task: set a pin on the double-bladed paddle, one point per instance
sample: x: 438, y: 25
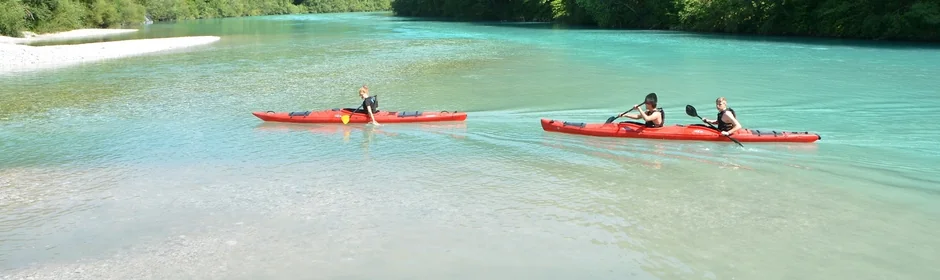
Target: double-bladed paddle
x: 651, y: 96
x: 691, y: 112
x: 345, y: 118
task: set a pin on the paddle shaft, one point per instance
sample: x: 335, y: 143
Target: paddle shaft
x: 354, y: 111
x: 649, y: 98
x: 712, y: 126
x: 624, y: 113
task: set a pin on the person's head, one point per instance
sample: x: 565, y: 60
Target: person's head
x: 363, y: 92
x: 650, y: 101
x: 721, y: 103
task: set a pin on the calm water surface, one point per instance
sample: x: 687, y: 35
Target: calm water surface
x: 153, y: 167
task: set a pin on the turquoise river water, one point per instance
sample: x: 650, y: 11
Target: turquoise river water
x: 152, y: 167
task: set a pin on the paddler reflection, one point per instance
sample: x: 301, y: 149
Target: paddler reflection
x: 348, y: 132
x: 649, y: 153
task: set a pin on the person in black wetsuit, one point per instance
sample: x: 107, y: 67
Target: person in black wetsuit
x: 654, y: 117
x: 727, y: 120
x: 369, y: 104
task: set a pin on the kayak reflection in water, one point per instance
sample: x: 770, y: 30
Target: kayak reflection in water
x: 369, y: 104
x: 654, y: 117
x: 727, y: 121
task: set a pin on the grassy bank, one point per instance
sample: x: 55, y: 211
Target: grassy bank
x: 43, y: 16
x: 917, y: 20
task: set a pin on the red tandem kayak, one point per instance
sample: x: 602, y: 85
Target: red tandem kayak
x: 695, y: 132
x: 335, y: 116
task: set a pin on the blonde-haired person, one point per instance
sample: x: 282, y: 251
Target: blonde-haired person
x: 727, y: 121
x: 369, y: 104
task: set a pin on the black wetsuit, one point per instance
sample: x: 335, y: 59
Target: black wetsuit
x: 370, y: 102
x: 722, y: 125
x: 662, y: 115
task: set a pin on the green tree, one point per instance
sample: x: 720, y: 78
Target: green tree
x: 870, y: 19
x: 13, y: 15
x: 56, y: 15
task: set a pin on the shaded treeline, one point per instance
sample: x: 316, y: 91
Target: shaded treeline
x: 58, y: 15
x: 865, y: 19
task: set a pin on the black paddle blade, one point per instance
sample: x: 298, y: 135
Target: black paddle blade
x: 691, y: 111
x: 610, y: 119
x: 651, y: 97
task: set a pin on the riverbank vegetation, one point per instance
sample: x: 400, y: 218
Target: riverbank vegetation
x: 865, y: 19
x: 42, y: 16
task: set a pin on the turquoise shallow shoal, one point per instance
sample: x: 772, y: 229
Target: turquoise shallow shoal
x: 153, y: 166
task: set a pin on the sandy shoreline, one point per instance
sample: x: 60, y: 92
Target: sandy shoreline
x: 66, y: 35
x: 17, y: 57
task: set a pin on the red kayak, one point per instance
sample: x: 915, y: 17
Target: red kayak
x: 335, y: 116
x: 695, y: 132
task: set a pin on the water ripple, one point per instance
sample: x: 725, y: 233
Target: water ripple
x: 167, y: 175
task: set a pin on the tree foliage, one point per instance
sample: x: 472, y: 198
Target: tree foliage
x: 59, y: 15
x: 13, y: 16
x: 867, y: 19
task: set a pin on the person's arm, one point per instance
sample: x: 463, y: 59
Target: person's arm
x: 369, y: 110
x: 734, y: 121
x: 643, y: 116
x: 650, y: 117
x: 635, y: 116
x: 711, y: 122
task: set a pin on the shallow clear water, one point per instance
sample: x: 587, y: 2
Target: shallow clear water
x: 153, y: 166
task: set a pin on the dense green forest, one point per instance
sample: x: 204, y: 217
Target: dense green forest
x: 43, y: 16
x: 866, y: 19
